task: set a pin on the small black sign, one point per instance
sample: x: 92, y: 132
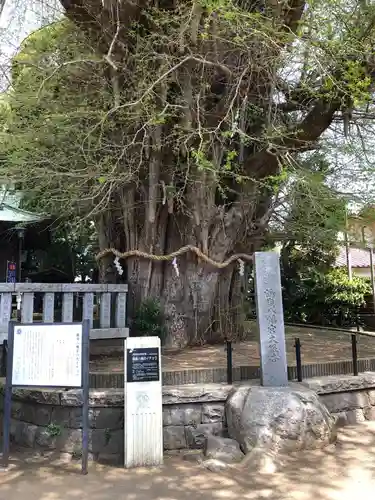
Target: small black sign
x: 142, y: 364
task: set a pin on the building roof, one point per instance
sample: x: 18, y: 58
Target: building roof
x: 359, y: 257
x: 11, y: 214
x: 10, y: 207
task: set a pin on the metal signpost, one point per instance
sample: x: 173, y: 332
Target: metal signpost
x: 48, y: 355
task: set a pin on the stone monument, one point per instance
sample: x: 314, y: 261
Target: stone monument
x: 276, y: 418
x: 273, y: 364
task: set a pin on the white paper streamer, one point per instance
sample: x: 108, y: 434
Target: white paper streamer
x: 175, y: 265
x: 241, y: 264
x: 118, y: 266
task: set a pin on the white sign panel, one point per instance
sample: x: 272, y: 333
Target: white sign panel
x: 47, y: 355
x: 143, y: 402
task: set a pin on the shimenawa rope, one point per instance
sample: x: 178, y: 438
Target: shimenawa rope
x: 173, y: 255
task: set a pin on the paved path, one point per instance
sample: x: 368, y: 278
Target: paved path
x: 342, y: 472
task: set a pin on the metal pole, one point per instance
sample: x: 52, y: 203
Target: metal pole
x: 372, y: 275
x: 229, y: 362
x: 297, y: 346
x: 8, y: 397
x: 21, y: 235
x: 354, y: 354
x: 85, y: 394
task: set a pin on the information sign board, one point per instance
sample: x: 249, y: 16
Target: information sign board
x: 143, y: 364
x: 11, y: 271
x: 47, y: 355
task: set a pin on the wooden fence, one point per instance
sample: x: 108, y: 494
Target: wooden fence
x: 103, y: 305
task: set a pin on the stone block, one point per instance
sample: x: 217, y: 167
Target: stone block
x: 341, y: 419
x: 98, y: 440
x: 371, y: 395
x: 16, y: 410
x: 106, y: 441
x: 341, y: 383
x: 60, y: 416
x: 369, y: 413
x: 32, y: 396
x: 224, y: 449
x: 29, y: 433
x: 37, y: 414
x: 70, y: 441
x: 99, y: 418
x: 71, y: 398
x: 196, y: 436
x: 345, y: 401
x: 107, y: 398
x: 174, y: 437
x: 110, y: 459
x: 16, y: 431
x: 22, y: 433
x: 47, y: 438
x: 196, y: 393
x: 185, y: 414
x: 212, y: 413
x: 355, y: 416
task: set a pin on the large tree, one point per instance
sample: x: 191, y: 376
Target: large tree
x: 180, y: 123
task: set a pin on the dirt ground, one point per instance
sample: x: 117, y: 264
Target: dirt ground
x: 318, y: 346
x: 340, y: 472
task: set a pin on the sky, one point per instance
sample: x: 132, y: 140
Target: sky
x: 18, y: 19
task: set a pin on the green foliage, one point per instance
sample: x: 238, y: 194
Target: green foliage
x: 316, y: 212
x: 48, y: 114
x: 328, y: 298
x: 54, y: 430
x: 149, y: 319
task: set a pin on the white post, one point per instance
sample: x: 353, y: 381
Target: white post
x: 143, y: 412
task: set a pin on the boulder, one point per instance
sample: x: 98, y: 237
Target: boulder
x: 281, y: 419
x: 224, y: 449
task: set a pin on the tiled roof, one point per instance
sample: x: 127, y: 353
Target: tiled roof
x: 359, y: 257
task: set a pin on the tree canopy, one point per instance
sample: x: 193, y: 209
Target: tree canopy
x: 174, y: 123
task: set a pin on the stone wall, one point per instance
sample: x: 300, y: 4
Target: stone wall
x: 52, y: 419
x: 351, y: 399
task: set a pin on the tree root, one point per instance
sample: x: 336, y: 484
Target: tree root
x: 171, y: 256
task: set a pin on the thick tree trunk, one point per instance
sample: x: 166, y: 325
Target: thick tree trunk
x: 201, y: 302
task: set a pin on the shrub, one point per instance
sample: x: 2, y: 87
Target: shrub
x: 149, y: 319
x: 325, y: 298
